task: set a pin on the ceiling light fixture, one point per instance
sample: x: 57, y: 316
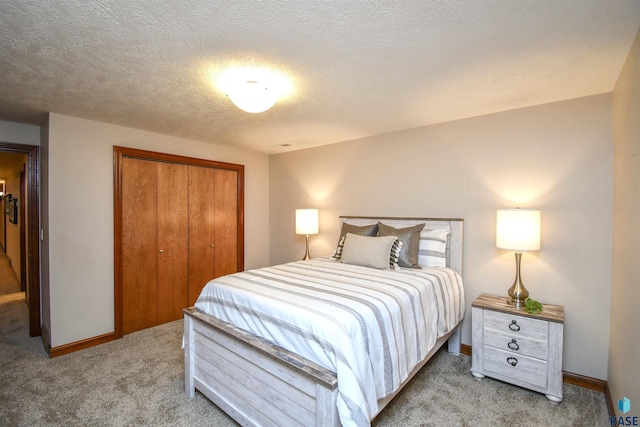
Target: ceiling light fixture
x: 253, y: 89
x: 252, y: 96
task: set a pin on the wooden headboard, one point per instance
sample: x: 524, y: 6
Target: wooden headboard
x: 454, y: 225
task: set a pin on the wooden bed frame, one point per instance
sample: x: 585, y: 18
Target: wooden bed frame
x: 258, y: 383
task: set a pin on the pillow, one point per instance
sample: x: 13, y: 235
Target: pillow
x: 433, y: 248
x: 410, y: 238
x: 394, y: 255
x: 368, y: 251
x: 365, y: 230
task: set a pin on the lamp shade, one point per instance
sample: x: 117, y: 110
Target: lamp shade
x: 518, y: 229
x: 252, y: 96
x: 306, y: 221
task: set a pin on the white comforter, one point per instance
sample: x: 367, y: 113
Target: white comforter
x: 371, y: 327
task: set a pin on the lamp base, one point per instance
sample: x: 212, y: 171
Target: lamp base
x: 517, y: 302
x: 517, y: 291
x: 306, y: 254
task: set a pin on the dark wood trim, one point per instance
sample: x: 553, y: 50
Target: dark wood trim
x: 241, y: 219
x: 33, y: 232
x: 173, y: 158
x: 607, y: 398
x: 81, y: 345
x: 121, y: 152
x: 583, y: 381
x: 117, y: 241
x: 24, y: 255
x: 465, y: 349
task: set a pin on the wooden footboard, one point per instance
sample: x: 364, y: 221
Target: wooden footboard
x: 253, y: 381
x: 259, y: 383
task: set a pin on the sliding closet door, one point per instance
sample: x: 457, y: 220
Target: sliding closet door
x: 173, y: 241
x: 226, y: 222
x: 139, y: 244
x: 202, y: 238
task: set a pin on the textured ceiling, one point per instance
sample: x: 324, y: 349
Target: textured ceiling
x: 357, y: 68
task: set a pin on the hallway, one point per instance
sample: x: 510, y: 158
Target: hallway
x: 14, y: 318
x: 8, y: 283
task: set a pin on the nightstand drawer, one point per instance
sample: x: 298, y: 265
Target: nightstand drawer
x: 515, y: 366
x: 516, y: 325
x: 516, y: 344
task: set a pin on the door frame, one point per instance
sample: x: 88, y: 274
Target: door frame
x: 32, y: 232
x: 119, y: 153
x: 24, y: 254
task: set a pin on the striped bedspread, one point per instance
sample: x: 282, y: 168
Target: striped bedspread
x: 371, y: 327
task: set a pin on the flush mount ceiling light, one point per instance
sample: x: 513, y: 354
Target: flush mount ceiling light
x: 252, y: 96
x: 254, y: 89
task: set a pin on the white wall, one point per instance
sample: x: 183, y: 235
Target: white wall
x: 624, y: 343
x: 19, y: 133
x: 555, y: 157
x: 80, y: 222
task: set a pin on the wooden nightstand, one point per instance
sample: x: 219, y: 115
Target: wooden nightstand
x: 514, y: 346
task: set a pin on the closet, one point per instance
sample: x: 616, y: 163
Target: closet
x: 178, y: 224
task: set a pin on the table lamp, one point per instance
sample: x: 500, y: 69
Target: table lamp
x: 518, y: 230
x: 306, y: 224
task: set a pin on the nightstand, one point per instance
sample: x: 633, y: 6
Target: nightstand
x: 514, y: 346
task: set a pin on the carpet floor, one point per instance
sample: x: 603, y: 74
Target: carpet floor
x: 138, y: 381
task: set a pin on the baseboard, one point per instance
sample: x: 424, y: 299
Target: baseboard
x: 584, y: 382
x: 607, y: 396
x: 570, y: 378
x: 465, y: 349
x: 80, y: 345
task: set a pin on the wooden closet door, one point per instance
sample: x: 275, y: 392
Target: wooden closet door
x: 139, y: 244
x: 159, y: 208
x: 201, y: 229
x: 226, y: 222
x: 173, y: 241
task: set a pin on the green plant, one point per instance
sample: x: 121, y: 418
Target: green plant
x: 532, y: 306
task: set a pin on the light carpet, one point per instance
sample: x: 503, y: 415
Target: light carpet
x: 138, y: 381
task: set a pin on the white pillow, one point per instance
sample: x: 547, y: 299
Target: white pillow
x: 367, y: 251
x: 433, y: 247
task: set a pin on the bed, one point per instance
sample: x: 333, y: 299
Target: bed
x: 316, y: 373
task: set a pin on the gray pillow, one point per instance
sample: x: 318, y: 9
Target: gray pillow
x: 410, y: 238
x: 364, y: 230
x: 368, y: 251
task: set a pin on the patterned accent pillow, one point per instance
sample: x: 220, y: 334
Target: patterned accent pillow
x: 433, y: 248
x: 368, y: 251
x: 410, y: 238
x: 338, y: 253
x: 365, y: 230
x: 394, y: 255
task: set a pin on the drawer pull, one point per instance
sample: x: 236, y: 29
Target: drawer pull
x: 514, y: 326
x: 513, y: 345
x: 512, y: 361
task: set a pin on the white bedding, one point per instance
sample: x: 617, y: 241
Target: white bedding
x: 370, y: 327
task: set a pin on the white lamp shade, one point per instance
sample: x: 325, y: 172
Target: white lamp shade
x: 518, y: 229
x: 306, y: 221
x: 252, y: 96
